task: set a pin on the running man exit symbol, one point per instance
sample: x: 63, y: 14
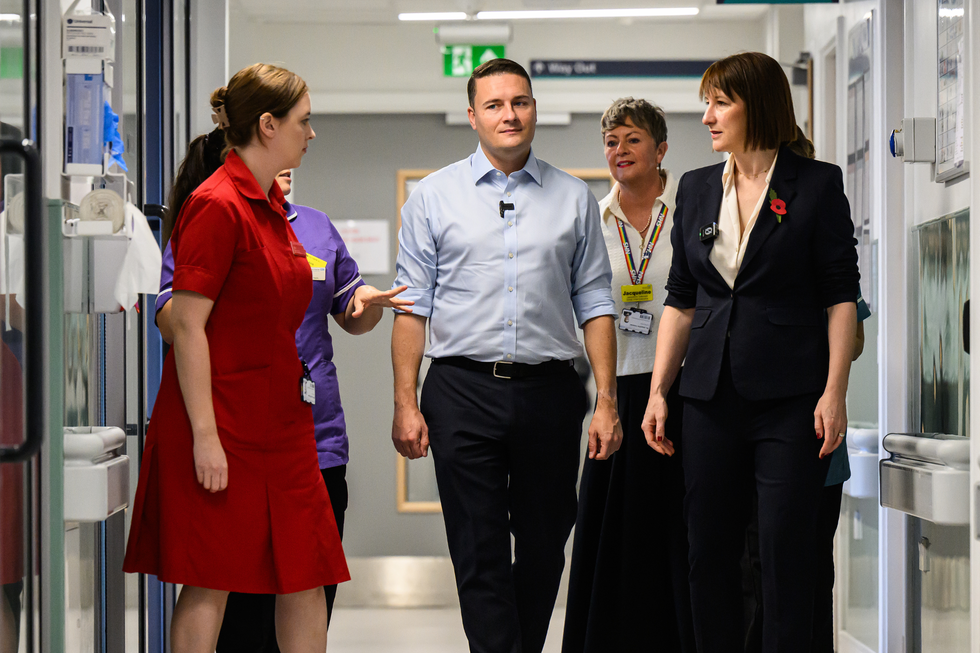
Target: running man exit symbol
x: 460, y: 60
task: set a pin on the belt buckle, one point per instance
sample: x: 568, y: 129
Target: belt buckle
x: 495, y: 369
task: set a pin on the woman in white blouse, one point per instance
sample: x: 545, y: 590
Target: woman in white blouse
x: 619, y: 591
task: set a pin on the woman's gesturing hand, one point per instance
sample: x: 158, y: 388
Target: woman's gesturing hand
x: 367, y: 296
x: 654, y: 423
x: 210, y: 463
x: 830, y: 421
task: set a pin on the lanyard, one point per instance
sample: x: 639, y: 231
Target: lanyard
x: 636, y: 275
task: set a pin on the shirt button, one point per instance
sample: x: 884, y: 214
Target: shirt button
x: 509, y: 356
x: 508, y: 194
x: 510, y: 288
x: 510, y: 223
x: 510, y: 255
x: 498, y: 173
x: 510, y: 322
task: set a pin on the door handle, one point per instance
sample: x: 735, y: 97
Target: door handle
x: 35, y: 370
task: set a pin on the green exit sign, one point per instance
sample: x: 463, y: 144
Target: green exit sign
x: 460, y: 60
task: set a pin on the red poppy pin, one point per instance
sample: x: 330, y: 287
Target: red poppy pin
x: 777, y: 205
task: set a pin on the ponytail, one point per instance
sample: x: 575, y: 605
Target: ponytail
x: 801, y: 145
x: 204, y: 156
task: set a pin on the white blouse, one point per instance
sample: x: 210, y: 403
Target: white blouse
x: 635, y: 351
x: 729, y: 247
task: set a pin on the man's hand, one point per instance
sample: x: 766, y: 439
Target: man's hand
x: 654, y: 425
x: 409, y: 433
x: 605, y: 431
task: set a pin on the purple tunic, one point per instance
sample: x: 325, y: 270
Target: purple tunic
x: 330, y: 296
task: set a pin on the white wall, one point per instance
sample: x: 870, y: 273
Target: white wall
x: 398, y: 68
x: 904, y: 196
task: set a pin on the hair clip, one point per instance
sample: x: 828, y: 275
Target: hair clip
x: 220, y: 117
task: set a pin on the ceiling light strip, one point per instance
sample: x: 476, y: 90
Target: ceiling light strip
x: 649, y: 12
x: 434, y: 16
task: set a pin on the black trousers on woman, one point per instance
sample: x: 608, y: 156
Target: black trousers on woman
x: 249, y: 625
x: 730, y: 445
x: 823, y: 599
x: 628, y: 587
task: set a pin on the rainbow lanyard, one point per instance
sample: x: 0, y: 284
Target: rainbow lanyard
x: 637, y: 274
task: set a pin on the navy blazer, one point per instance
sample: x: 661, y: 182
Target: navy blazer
x: 792, y: 271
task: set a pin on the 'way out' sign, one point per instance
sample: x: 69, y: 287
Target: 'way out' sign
x: 460, y: 60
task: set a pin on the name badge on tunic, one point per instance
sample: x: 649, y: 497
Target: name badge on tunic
x: 298, y: 249
x: 641, y: 292
x: 636, y: 320
x: 319, y: 267
x: 307, y: 388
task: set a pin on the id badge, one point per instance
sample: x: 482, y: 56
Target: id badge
x: 319, y: 267
x: 308, y: 390
x: 642, y: 292
x: 636, y: 320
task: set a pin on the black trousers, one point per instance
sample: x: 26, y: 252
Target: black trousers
x: 250, y: 619
x: 628, y: 587
x: 730, y: 445
x: 823, y: 600
x: 506, y: 460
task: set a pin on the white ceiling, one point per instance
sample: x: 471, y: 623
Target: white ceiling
x: 386, y: 11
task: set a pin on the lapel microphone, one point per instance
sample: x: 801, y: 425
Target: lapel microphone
x: 505, y: 207
x: 708, y: 232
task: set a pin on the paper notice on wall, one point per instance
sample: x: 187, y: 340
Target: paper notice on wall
x: 368, y: 242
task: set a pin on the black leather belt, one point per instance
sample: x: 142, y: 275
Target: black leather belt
x: 505, y: 369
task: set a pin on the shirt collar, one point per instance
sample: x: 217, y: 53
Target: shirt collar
x: 480, y: 166
x: 290, y: 211
x: 609, y: 206
x: 246, y: 183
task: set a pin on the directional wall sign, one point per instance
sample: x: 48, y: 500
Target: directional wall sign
x: 555, y: 68
x: 460, y: 60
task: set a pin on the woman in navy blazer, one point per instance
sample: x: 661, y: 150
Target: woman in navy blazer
x: 762, y: 245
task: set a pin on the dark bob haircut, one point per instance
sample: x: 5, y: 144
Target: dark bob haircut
x: 759, y: 81
x: 495, y: 67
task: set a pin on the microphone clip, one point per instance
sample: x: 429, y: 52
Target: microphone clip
x: 505, y: 207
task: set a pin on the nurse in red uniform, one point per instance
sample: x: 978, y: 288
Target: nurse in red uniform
x: 230, y: 496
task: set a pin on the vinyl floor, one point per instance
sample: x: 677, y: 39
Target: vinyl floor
x: 397, y: 630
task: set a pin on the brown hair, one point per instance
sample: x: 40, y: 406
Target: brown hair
x: 260, y: 88
x: 759, y: 81
x: 495, y: 67
x: 203, y: 157
x: 641, y: 113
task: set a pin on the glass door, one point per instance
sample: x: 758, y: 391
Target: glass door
x: 22, y: 374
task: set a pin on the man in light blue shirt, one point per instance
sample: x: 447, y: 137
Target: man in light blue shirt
x: 503, y: 254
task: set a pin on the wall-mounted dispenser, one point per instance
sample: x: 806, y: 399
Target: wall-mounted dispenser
x: 914, y: 141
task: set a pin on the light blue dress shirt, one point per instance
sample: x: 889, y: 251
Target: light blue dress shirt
x: 503, y: 289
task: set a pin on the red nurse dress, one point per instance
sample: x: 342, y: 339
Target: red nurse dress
x: 272, y: 531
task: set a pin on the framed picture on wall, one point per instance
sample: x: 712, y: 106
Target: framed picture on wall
x: 951, y: 91
x: 415, y: 480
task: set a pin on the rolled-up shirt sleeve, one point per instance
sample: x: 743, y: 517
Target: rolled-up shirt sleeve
x: 682, y: 288
x: 834, y: 246
x: 417, y: 261
x: 591, y: 272
x: 166, y: 278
